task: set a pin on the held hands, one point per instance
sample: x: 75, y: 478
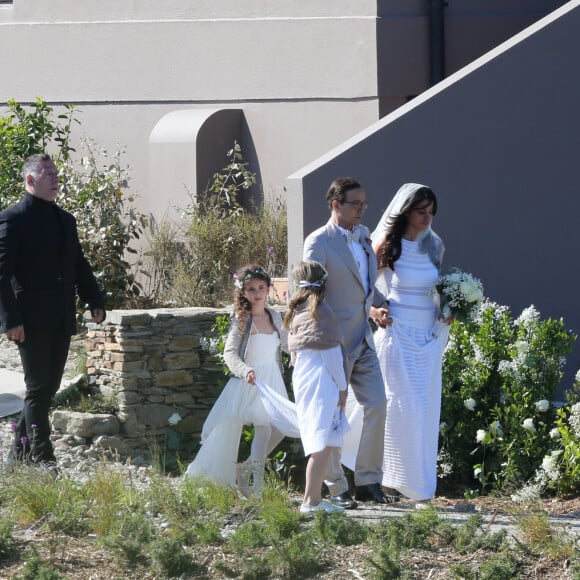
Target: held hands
x: 251, y: 378
x: 447, y: 320
x: 16, y: 334
x: 381, y: 316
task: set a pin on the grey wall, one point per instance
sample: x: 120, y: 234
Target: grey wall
x: 498, y: 142
x: 307, y: 75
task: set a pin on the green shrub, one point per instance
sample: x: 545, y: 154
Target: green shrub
x: 338, y: 530
x: 36, y: 568
x: 296, y: 556
x: 170, y: 558
x: 96, y: 193
x: 191, y: 262
x: 7, y: 542
x: 94, y: 190
x: 36, y: 497
x: 499, y: 376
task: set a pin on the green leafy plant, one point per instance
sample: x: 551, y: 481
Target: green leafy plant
x: 7, y: 542
x: 338, y: 530
x: 499, y: 375
x: 170, y: 558
x: 35, y: 568
x: 94, y: 189
x: 26, y: 131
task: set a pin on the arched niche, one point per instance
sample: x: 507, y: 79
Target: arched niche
x: 186, y: 147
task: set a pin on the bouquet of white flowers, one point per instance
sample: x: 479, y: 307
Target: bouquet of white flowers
x: 460, y: 293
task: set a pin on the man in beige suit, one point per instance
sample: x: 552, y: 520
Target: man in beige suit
x: 344, y: 248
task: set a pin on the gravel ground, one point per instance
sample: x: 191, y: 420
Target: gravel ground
x: 78, y: 462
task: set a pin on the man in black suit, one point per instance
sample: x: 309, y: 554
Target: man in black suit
x: 42, y: 267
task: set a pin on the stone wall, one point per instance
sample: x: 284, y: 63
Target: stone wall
x: 153, y: 364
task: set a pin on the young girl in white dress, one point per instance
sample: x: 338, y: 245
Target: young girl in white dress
x: 252, y: 352
x: 319, y: 378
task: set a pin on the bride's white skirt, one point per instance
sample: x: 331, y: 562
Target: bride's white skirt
x: 411, y: 360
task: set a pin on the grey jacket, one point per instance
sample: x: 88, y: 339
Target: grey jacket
x: 345, y: 291
x: 237, y: 344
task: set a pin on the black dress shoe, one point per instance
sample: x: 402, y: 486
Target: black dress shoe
x: 373, y: 492
x: 343, y: 500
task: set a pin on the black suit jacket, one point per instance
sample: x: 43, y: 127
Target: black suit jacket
x: 39, y: 278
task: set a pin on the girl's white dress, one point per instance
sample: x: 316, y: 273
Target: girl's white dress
x: 238, y: 404
x: 410, y: 354
x: 318, y: 376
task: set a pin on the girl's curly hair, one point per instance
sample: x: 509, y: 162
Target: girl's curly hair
x: 242, y: 306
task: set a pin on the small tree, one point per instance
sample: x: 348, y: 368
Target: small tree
x: 94, y: 191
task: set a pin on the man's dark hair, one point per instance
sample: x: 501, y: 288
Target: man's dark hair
x: 339, y: 188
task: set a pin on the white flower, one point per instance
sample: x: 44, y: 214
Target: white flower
x: 504, y: 367
x: 521, y: 346
x: 531, y: 492
x: 174, y: 419
x: 470, y: 404
x: 471, y: 291
x: 442, y: 426
x: 543, y: 405
x: 577, y: 377
x: 555, y: 433
x: 574, y: 418
x: 550, y: 467
x: 477, y: 472
x: 528, y: 316
x: 480, y: 436
x: 496, y: 426
x: 528, y: 424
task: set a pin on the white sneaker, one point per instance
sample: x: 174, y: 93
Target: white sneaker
x: 322, y: 506
x: 423, y: 504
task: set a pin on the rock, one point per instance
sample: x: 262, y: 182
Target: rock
x: 85, y: 424
x: 116, y: 444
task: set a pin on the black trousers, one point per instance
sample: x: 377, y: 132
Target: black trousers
x: 43, y: 354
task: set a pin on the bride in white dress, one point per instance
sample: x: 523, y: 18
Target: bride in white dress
x: 410, y: 349
x: 252, y: 353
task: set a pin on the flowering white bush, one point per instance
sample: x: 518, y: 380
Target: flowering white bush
x: 499, y: 375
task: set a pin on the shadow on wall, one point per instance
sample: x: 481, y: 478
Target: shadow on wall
x: 186, y: 148
x: 498, y: 143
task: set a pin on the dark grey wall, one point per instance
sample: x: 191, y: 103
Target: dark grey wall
x: 499, y: 143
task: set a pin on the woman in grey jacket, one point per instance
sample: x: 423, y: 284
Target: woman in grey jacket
x: 252, y: 352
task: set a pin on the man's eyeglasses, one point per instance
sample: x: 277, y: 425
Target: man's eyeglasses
x: 357, y: 204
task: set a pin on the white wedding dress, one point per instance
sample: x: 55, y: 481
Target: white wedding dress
x: 410, y: 354
x: 239, y: 404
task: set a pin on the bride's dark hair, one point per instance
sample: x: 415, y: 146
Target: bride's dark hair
x: 389, y: 250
